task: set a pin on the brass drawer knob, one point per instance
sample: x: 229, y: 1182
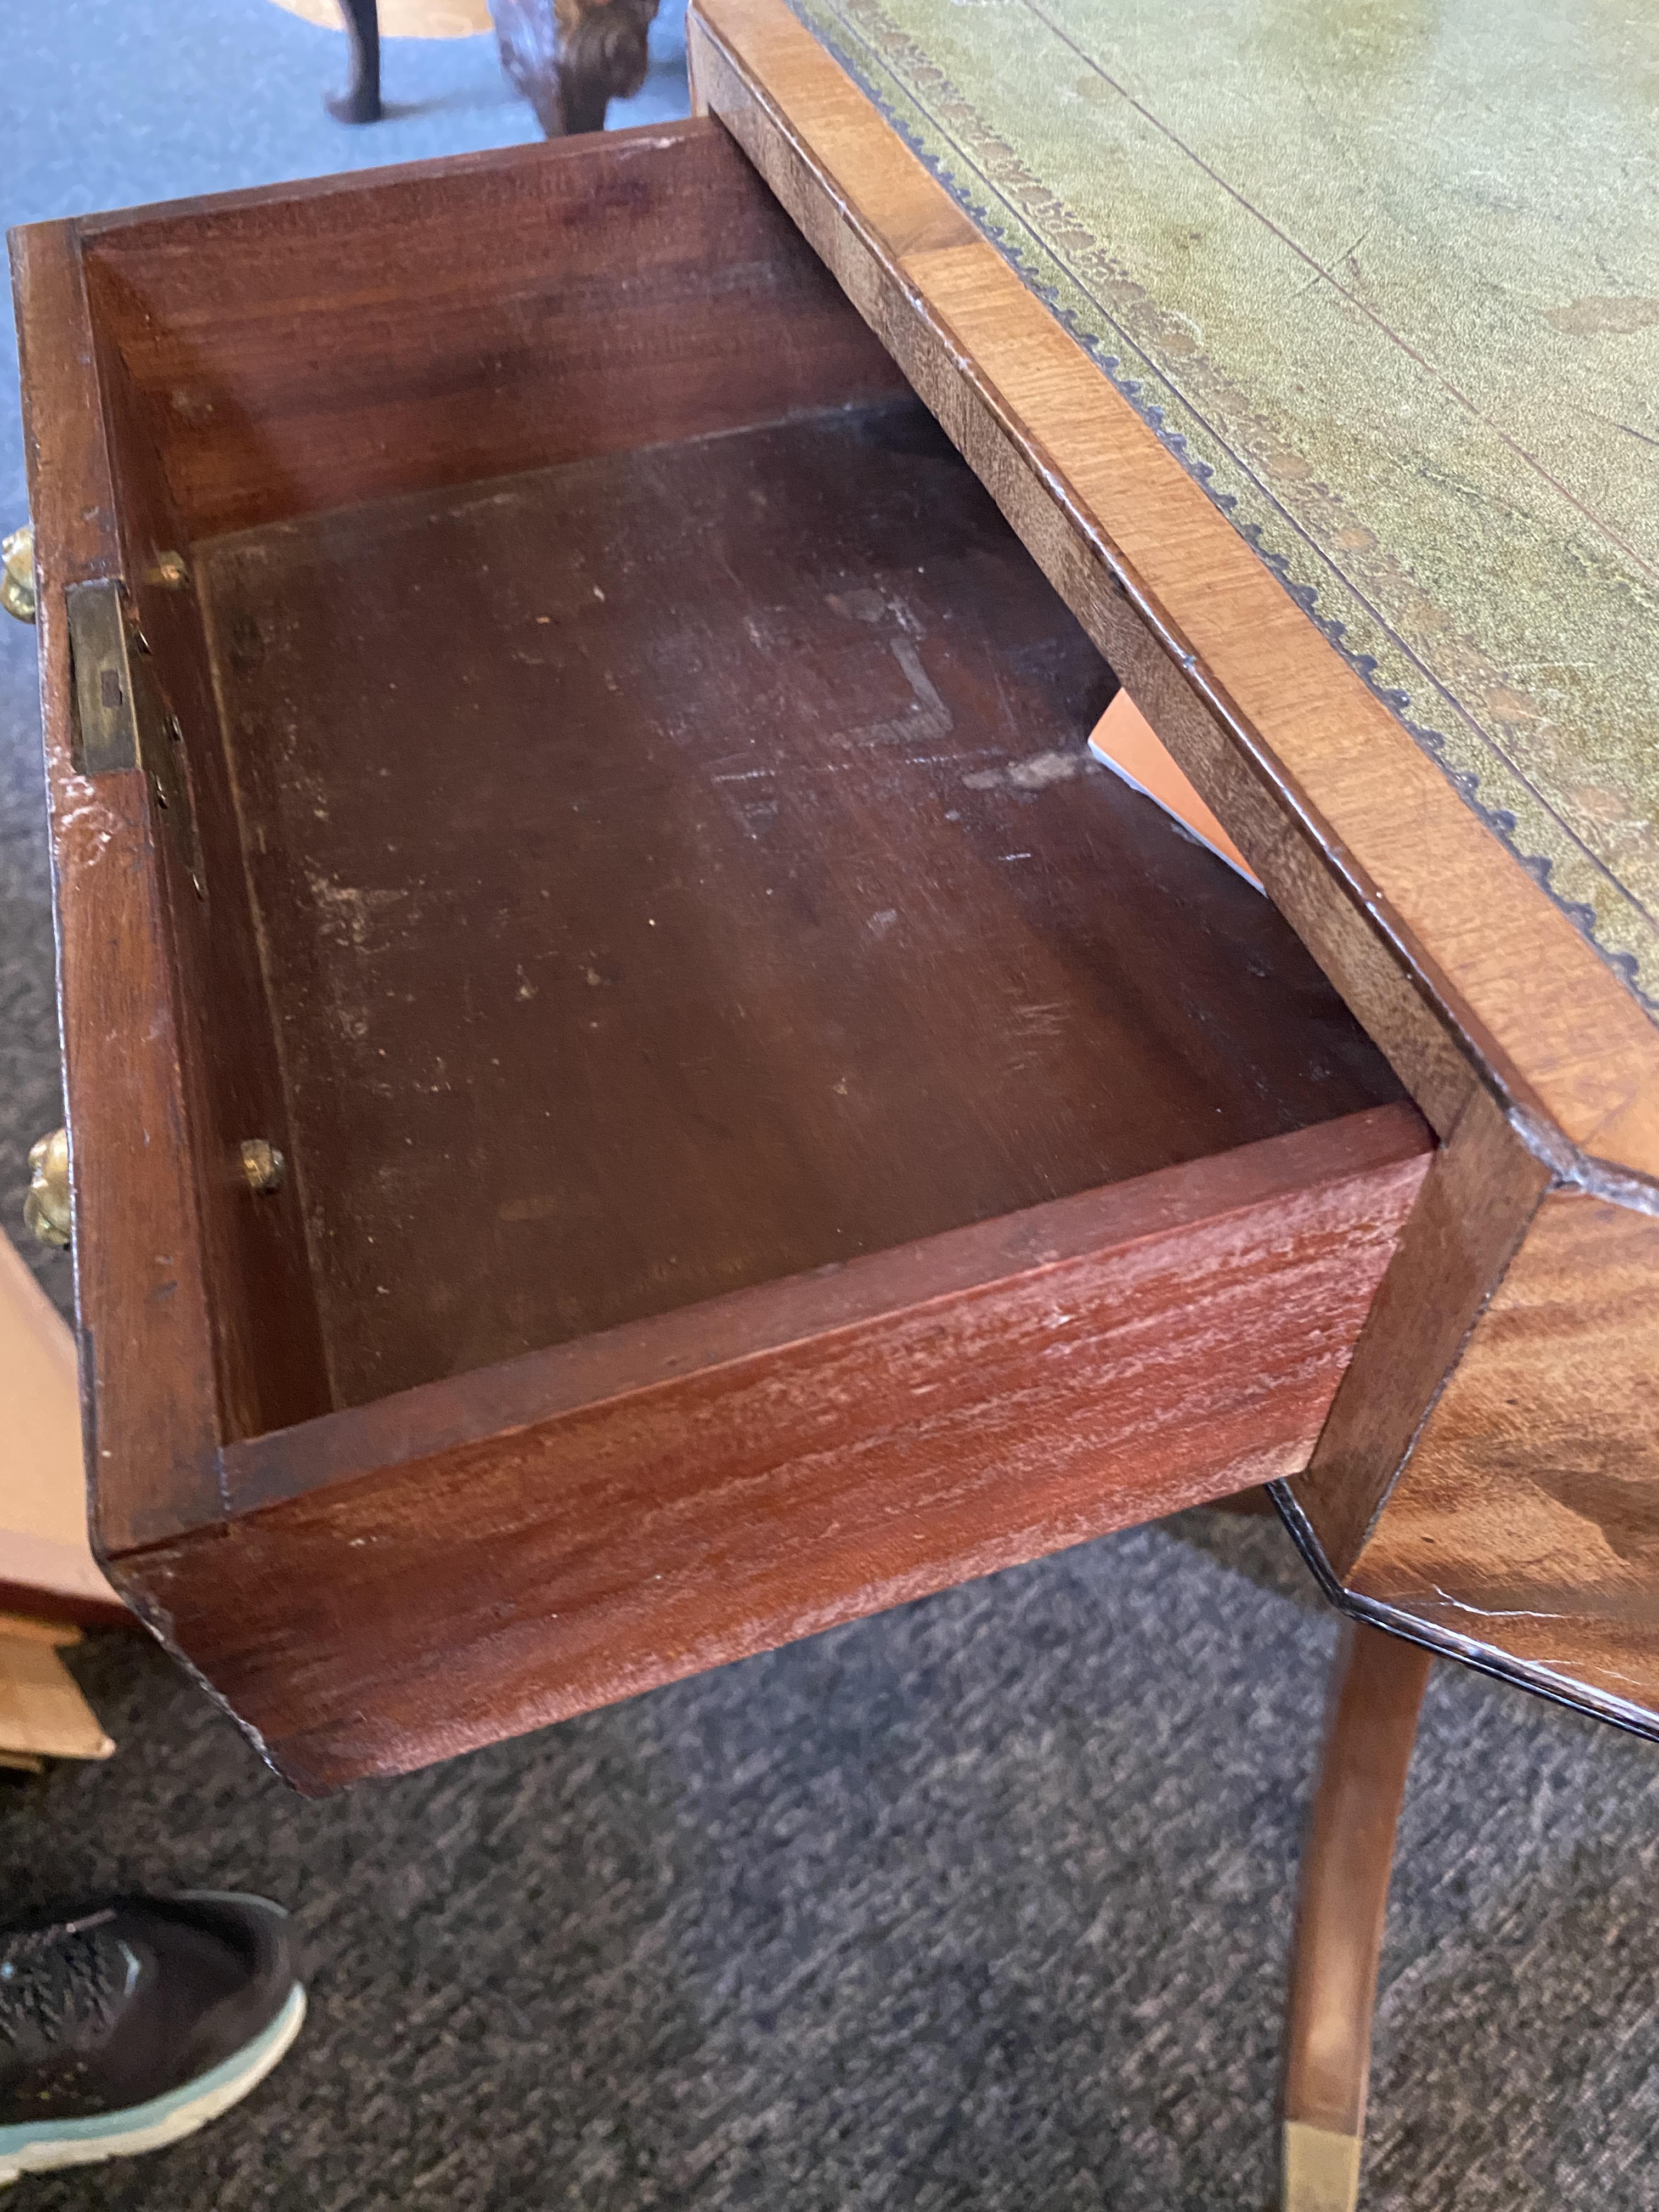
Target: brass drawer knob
x: 46, y: 1208
x: 17, y: 573
x: 263, y: 1166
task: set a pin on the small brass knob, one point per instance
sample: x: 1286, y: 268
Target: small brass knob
x: 46, y: 1208
x: 263, y: 1166
x: 17, y: 573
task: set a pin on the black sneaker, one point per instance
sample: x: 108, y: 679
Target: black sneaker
x: 135, y: 2024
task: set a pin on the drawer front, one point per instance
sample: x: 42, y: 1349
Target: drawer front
x: 717, y: 1482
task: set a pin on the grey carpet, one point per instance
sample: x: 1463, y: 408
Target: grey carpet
x: 984, y: 1905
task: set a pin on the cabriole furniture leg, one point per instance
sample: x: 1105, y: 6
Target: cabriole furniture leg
x: 360, y: 100
x: 570, y: 59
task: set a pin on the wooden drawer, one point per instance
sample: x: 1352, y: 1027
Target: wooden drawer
x: 547, y: 736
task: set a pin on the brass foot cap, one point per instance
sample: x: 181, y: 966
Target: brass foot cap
x: 1321, y: 2169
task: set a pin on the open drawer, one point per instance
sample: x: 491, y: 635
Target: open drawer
x: 634, y: 1093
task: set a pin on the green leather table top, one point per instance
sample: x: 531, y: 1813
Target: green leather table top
x: 1385, y: 273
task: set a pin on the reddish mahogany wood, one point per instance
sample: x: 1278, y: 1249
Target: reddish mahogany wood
x: 270, y: 1361
x: 302, y: 347
x: 681, y: 869
x: 719, y: 636
x: 263, y: 354
x: 602, y: 1517
x: 147, y: 1357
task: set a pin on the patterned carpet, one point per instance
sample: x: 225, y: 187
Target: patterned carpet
x: 983, y: 1904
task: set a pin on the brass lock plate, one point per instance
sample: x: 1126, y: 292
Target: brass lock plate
x: 122, y: 719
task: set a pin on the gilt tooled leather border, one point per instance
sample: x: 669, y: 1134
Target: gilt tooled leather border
x: 1045, y: 243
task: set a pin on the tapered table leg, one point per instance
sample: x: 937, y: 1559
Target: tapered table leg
x: 1371, y: 1726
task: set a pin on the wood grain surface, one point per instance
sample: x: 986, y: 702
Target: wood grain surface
x: 740, y: 897
x: 604, y: 1516
x: 167, y: 368
x: 172, y: 379
x: 300, y: 348
x: 251, y: 364
x: 1478, y: 1196
x: 1527, y: 1521
x: 148, y: 1373
x: 268, y: 1347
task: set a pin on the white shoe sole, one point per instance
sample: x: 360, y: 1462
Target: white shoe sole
x: 164, y: 2120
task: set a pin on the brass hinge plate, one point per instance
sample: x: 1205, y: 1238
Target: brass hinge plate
x: 122, y: 719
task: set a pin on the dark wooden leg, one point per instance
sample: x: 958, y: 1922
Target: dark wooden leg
x: 569, y: 59
x: 1371, y: 1726
x: 360, y: 100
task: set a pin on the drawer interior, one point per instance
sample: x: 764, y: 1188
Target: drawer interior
x: 651, y: 775
x: 684, y: 867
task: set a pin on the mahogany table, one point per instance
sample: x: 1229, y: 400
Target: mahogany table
x: 633, y: 1092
